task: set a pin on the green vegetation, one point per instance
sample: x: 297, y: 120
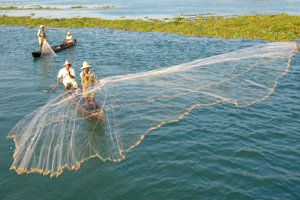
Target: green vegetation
x: 77, y: 7
x: 266, y: 27
x: 104, y: 7
x: 53, y: 8
x: 22, y: 8
x: 80, y: 7
x: 9, y: 8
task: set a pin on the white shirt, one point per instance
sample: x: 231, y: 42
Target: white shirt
x: 63, y: 72
x: 69, y: 37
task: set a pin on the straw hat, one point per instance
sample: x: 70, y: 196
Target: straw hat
x: 67, y: 63
x: 68, y: 33
x: 41, y: 26
x: 85, y: 65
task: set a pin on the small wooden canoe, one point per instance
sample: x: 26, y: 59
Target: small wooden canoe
x: 56, y: 48
x: 79, y: 102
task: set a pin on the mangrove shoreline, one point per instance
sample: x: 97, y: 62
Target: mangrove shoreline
x: 280, y: 27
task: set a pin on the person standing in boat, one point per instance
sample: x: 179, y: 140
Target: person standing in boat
x: 88, y: 79
x: 68, y: 39
x: 68, y: 75
x: 42, y: 36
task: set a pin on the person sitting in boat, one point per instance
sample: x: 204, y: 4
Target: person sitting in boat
x: 88, y: 79
x: 42, y: 36
x: 68, y: 39
x: 68, y: 75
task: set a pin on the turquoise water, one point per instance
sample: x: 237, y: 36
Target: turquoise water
x: 216, y: 152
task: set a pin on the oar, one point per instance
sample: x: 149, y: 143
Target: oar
x: 59, y: 82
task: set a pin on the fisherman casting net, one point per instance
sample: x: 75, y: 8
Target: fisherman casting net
x: 58, y: 136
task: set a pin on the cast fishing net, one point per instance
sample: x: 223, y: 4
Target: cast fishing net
x: 47, y: 50
x: 57, y: 136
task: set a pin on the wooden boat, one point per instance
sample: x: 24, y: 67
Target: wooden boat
x: 56, y: 48
x: 79, y: 102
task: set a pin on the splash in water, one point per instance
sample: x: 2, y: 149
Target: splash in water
x: 58, y: 135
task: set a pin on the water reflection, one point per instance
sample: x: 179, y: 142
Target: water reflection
x: 46, y: 64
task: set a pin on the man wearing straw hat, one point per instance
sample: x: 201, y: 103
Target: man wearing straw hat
x: 68, y: 75
x: 42, y: 36
x: 88, y: 79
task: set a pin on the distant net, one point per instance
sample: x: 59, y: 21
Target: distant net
x: 47, y: 50
x: 58, y: 135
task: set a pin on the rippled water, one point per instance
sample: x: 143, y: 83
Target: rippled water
x: 216, y: 152
x: 157, y: 9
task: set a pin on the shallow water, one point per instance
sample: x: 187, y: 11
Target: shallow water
x: 215, y: 152
x: 156, y: 9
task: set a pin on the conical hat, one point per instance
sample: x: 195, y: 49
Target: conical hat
x: 85, y: 65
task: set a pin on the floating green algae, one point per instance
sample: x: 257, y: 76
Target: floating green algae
x: 72, y: 7
x: 94, y: 8
x: 23, y: 8
x: 53, y: 8
x: 281, y: 27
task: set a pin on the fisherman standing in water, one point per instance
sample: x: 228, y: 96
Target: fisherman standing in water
x: 68, y: 75
x: 88, y: 79
x: 42, y: 36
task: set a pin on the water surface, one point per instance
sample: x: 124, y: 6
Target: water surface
x: 154, y: 9
x: 215, y: 152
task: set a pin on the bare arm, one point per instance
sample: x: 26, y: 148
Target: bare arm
x: 71, y: 75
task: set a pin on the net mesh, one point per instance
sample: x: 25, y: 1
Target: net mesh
x: 58, y: 135
x: 47, y: 50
